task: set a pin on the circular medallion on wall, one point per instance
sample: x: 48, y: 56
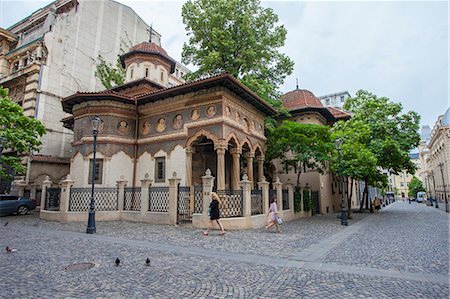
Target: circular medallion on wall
x: 195, y: 114
x: 123, y: 127
x: 101, y: 126
x: 145, y: 129
x: 161, y: 125
x: 211, y: 111
x: 178, y: 122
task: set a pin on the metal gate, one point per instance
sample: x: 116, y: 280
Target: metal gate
x: 52, y: 198
x: 315, y: 201
x: 184, y: 213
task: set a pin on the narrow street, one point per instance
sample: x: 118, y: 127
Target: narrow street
x: 401, y: 252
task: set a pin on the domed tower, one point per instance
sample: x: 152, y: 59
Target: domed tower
x: 300, y: 98
x: 150, y: 61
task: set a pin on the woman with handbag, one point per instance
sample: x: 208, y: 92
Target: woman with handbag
x: 274, y: 219
x: 214, y: 214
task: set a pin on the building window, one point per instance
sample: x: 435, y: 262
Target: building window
x: 327, y: 102
x: 98, y: 173
x: 401, y: 184
x: 131, y: 74
x: 146, y: 72
x: 182, y: 74
x: 160, y: 171
x: 342, y: 99
x: 162, y: 76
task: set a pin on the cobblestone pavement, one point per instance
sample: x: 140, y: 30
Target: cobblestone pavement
x: 37, y: 269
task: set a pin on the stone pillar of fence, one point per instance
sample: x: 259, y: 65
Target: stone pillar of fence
x: 121, y: 193
x: 264, y: 186
x: 290, y: 189
x: 45, y: 184
x: 246, y: 186
x: 173, y: 198
x: 146, y: 182
x: 66, y: 184
x: 208, y: 183
x: 279, y: 191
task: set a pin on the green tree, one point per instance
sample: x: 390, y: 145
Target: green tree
x: 108, y: 74
x: 377, y: 137
x: 18, y: 133
x: 240, y: 37
x: 300, y: 146
x: 415, y: 186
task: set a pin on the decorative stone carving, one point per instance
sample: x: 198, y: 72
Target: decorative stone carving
x: 227, y: 111
x: 238, y: 117
x: 178, y: 122
x: 195, y: 114
x: 247, y: 125
x: 161, y: 125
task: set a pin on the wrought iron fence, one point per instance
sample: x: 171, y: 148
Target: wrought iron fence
x: 52, y: 199
x: 184, y: 204
x: 231, y: 203
x: 158, y: 199
x: 105, y: 199
x: 285, y: 193
x: 198, y: 199
x: 132, y: 199
x: 256, y: 202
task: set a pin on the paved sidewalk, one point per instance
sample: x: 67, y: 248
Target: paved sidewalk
x: 196, y: 269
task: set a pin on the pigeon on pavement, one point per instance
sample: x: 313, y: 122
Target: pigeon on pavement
x: 147, y: 262
x: 117, y: 262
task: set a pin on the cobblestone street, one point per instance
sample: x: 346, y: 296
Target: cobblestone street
x: 401, y: 252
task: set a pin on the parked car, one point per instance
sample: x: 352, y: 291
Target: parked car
x: 10, y: 204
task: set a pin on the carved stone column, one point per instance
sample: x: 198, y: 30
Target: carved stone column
x: 249, y: 157
x: 145, y: 185
x: 189, y: 152
x: 220, y: 150
x: 121, y: 192
x: 66, y: 184
x: 173, y: 198
x: 264, y: 186
x: 260, y: 167
x: 246, y: 186
x: 236, y: 167
x: 278, y: 187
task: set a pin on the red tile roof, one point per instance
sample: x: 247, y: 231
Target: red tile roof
x: 338, y: 113
x: 300, y: 98
x: 49, y: 159
x: 149, y: 48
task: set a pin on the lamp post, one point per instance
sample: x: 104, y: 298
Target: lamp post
x: 434, y: 191
x: 441, y: 165
x: 343, y: 209
x: 95, y: 122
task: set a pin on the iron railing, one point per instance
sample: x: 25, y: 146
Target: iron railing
x: 256, y: 202
x: 184, y: 204
x: 132, y: 199
x: 231, y: 203
x: 158, y: 199
x: 105, y: 199
x: 198, y: 199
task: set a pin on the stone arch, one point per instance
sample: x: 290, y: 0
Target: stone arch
x: 246, y: 142
x: 202, y: 133
x: 232, y: 136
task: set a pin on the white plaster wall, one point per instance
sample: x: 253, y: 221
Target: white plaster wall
x: 77, y: 170
x: 145, y: 165
x: 177, y: 163
x: 120, y: 165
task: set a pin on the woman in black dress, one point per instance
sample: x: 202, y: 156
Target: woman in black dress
x: 214, y: 214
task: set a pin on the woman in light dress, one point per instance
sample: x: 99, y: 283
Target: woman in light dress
x: 273, y: 215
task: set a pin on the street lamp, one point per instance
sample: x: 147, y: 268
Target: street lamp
x: 343, y: 209
x: 434, y: 190
x: 95, y: 123
x: 441, y: 165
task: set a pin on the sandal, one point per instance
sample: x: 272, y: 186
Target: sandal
x: 205, y: 233
x: 221, y: 234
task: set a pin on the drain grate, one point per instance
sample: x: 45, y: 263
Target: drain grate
x: 79, y: 267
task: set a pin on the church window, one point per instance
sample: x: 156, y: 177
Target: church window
x: 131, y: 73
x: 162, y: 76
x: 160, y: 171
x: 98, y: 172
x: 146, y: 72
x: 342, y: 99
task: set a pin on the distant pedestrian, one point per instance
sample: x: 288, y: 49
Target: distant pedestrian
x: 273, y: 215
x: 214, y: 214
x: 377, y: 204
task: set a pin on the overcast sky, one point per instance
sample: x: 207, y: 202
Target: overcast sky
x: 393, y: 49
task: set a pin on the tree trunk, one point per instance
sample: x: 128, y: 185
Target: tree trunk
x: 349, y: 199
